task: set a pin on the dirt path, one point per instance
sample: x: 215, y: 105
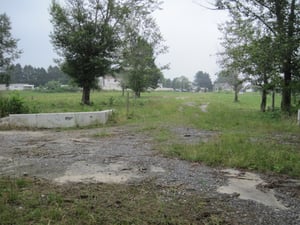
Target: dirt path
x: 124, y: 155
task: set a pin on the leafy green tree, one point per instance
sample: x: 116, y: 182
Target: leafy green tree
x: 248, y: 51
x: 234, y: 79
x: 54, y: 73
x: 53, y: 85
x: 261, y: 68
x: 17, y: 74
x: 139, y: 65
x: 167, y: 83
x: 85, y: 36
x: 234, y: 57
x: 202, y: 80
x: 8, y: 49
x: 281, y: 20
x: 90, y: 36
x: 181, y: 83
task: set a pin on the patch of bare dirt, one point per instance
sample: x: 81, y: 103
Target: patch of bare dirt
x: 124, y: 155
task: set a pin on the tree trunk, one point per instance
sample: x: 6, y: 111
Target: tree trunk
x: 286, y: 92
x: 273, y: 100
x: 263, y: 103
x: 287, y: 60
x: 236, y: 92
x: 85, y: 100
x: 138, y: 94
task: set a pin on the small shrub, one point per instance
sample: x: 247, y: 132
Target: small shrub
x: 13, y: 104
x: 111, y: 101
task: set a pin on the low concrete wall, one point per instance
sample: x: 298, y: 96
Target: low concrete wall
x: 59, y: 120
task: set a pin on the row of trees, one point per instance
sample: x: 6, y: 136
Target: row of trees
x: 201, y: 81
x: 37, y: 76
x: 262, y: 45
x: 94, y: 38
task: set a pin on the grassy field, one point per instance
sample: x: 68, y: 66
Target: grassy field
x: 246, y: 138
x: 243, y: 138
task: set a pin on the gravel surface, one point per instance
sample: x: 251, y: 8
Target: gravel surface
x: 124, y: 155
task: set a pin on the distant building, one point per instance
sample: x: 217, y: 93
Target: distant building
x: 3, y: 87
x: 109, y: 83
x: 222, y: 87
x: 164, y: 89
x: 16, y: 87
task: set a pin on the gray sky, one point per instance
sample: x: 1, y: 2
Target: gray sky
x: 190, y: 32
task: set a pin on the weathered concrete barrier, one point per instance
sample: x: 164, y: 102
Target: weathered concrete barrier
x: 58, y: 120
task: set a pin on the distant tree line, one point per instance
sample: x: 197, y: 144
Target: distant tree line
x: 202, y: 82
x: 181, y: 83
x: 37, y: 76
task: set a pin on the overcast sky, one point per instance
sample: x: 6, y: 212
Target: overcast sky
x: 190, y: 31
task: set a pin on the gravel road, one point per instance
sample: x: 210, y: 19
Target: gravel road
x: 123, y: 154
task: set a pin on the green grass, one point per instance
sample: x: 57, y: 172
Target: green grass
x: 240, y: 151
x: 243, y: 138
x: 247, y: 138
x: 35, y: 201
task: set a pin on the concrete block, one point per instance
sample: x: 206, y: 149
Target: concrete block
x: 59, y: 120
x: 22, y: 120
x: 55, y: 120
x: 91, y: 118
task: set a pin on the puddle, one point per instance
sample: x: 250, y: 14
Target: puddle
x: 245, y: 184
x: 113, y: 173
x: 110, y: 173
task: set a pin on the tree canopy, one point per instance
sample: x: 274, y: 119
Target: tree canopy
x: 202, y: 80
x: 90, y: 35
x: 8, y: 48
x: 277, y: 21
x: 139, y: 66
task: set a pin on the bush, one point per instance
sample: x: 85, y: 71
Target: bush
x: 54, y: 86
x: 12, y: 104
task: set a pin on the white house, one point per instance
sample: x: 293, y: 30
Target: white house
x: 222, y: 87
x: 109, y: 83
x: 17, y: 87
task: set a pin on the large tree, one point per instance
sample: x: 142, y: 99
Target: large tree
x: 181, y: 84
x: 202, y: 80
x: 8, y: 48
x: 281, y: 19
x: 262, y: 69
x: 251, y: 52
x: 139, y: 66
x: 90, y: 36
x: 234, y: 58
